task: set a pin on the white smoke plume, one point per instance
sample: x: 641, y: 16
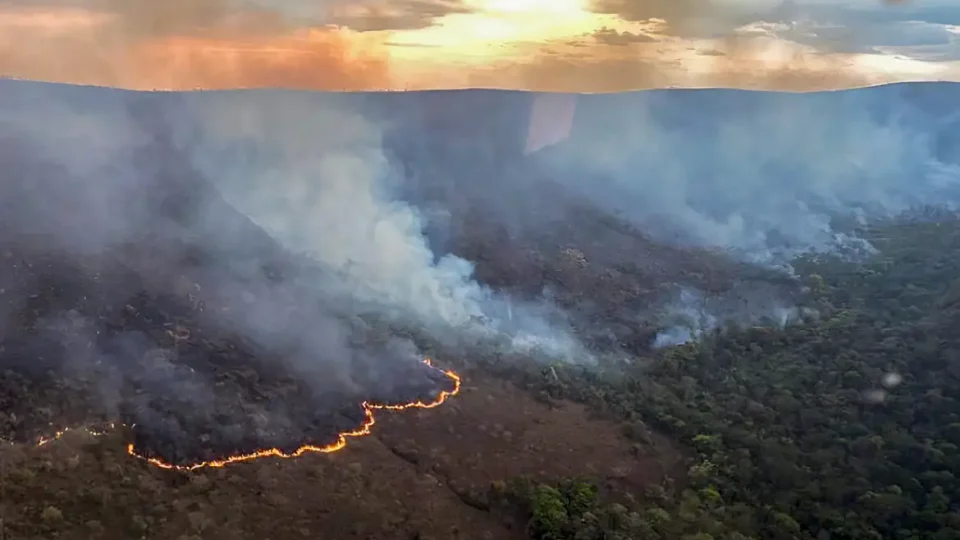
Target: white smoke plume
x: 311, y: 170
x: 691, y: 314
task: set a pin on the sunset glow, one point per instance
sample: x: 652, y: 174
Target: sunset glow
x: 497, y: 27
x: 387, y: 44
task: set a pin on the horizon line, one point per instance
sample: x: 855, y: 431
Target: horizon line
x: 466, y: 89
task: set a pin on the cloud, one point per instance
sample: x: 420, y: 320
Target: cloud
x: 718, y: 18
x: 867, y: 12
x: 393, y: 14
x: 842, y: 32
x: 739, y: 61
x: 609, y: 36
x: 378, y: 44
x: 182, y: 44
x: 855, y: 26
x: 759, y: 61
x: 783, y: 44
x: 568, y: 73
x: 191, y: 17
x: 916, y: 39
x: 691, y: 18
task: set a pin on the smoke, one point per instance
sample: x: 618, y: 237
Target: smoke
x: 124, y: 268
x: 326, y: 193
x: 690, y: 315
x: 340, y: 180
x: 237, y: 265
x: 760, y: 177
x: 667, y: 190
x: 333, y: 195
x: 689, y: 320
x: 765, y: 176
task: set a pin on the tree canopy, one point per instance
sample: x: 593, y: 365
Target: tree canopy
x: 843, y: 426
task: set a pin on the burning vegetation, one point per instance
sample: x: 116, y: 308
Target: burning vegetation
x: 149, y: 455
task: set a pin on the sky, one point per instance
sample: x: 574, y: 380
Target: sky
x: 547, y: 45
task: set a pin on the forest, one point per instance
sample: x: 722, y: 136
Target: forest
x: 842, y: 426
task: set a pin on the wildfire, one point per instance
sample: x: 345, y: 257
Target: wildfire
x: 339, y: 444
x: 90, y: 431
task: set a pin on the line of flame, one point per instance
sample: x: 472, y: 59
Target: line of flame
x: 339, y: 444
x: 89, y: 431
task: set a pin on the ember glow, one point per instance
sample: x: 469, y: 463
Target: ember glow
x: 339, y: 444
x: 89, y: 431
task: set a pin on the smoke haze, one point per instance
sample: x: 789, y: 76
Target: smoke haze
x: 102, y: 206
x: 332, y: 194
x: 141, y: 191
x: 719, y: 174
x: 630, y: 221
x: 764, y: 175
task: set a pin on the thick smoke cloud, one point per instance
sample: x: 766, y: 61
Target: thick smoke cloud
x: 333, y: 195
x: 307, y: 168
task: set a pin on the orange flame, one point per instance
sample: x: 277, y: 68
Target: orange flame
x: 90, y: 431
x: 339, y: 444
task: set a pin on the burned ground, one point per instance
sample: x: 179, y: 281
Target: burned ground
x: 423, y: 474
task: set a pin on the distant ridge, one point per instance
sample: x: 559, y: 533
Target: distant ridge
x: 8, y: 80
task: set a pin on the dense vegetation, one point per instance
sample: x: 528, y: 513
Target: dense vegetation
x: 845, y: 426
